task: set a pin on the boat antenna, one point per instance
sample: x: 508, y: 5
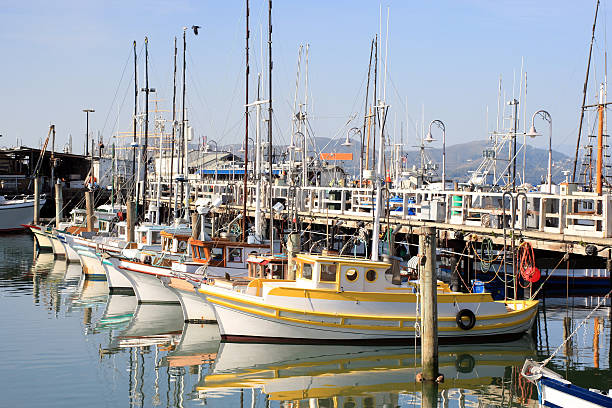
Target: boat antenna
x: 173, y: 132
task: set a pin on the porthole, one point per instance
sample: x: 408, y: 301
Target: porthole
x: 371, y: 275
x: 351, y: 275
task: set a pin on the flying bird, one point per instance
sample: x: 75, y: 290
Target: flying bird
x: 195, y: 29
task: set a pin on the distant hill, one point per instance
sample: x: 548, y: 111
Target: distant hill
x: 463, y: 158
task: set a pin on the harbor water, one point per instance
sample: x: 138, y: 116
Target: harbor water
x: 67, y: 342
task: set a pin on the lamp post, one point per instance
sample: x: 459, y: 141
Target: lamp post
x: 532, y: 133
x: 87, y: 112
x: 348, y: 143
x: 430, y: 139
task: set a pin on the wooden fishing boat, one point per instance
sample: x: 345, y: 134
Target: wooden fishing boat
x: 337, y: 299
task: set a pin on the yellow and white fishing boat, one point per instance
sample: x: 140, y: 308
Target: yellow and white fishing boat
x: 343, y: 299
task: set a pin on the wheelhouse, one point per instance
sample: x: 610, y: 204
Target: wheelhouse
x: 223, y: 253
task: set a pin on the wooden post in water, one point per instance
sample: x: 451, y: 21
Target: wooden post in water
x: 293, y: 246
x: 36, y: 200
x: 59, y: 203
x: 429, y: 304
x: 195, y: 225
x: 89, y: 209
x: 130, y: 219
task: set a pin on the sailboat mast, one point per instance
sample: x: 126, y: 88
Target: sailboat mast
x: 381, y: 108
x: 584, y: 92
x: 366, y: 116
x: 246, y: 129
x: 135, y: 113
x: 173, y: 129
x: 270, y: 120
x: 146, y: 127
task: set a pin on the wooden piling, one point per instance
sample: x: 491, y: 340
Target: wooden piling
x: 293, y: 247
x: 130, y: 220
x: 89, y: 209
x: 36, y: 201
x: 59, y: 203
x: 195, y: 225
x: 429, y: 304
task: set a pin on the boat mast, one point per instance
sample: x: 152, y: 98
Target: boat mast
x: 584, y: 92
x: 146, y: 127
x: 173, y: 135
x: 270, y: 121
x: 246, y: 130
x: 183, y: 147
x: 382, y: 111
x: 366, y: 117
x: 134, y: 144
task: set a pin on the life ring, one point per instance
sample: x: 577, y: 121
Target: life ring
x: 465, y: 363
x: 463, y: 313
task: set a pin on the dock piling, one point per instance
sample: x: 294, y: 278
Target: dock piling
x: 130, y: 219
x: 36, y: 201
x: 429, y: 305
x: 89, y: 209
x: 59, y: 203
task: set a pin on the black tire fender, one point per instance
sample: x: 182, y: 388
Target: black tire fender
x: 463, y: 313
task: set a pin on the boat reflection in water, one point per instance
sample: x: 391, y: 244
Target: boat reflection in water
x: 153, y: 324
x: 359, y: 375
x: 198, y: 345
x: 118, y: 313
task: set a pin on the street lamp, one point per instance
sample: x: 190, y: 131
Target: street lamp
x: 87, y: 112
x: 532, y: 133
x: 430, y: 139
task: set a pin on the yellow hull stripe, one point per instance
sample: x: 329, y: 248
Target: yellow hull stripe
x: 528, y: 304
x: 401, y: 321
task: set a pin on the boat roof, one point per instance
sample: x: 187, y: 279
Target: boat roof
x: 342, y: 259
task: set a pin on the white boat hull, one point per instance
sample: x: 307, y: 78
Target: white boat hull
x: 14, y: 214
x: 242, y: 317
x: 58, y: 247
x: 92, y: 267
x: 118, y: 283
x: 195, y: 309
x: 43, y: 239
x: 71, y: 254
x: 145, y: 281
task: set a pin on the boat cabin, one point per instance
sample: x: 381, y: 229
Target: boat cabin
x: 342, y: 273
x: 267, y: 266
x: 223, y: 252
x: 174, y: 242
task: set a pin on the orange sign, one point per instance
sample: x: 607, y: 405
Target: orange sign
x: 336, y: 156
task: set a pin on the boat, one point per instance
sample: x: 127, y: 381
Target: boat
x: 337, y: 299
x: 186, y: 277
x: 555, y: 391
x: 17, y: 212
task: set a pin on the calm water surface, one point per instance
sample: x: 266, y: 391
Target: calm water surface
x: 66, y: 342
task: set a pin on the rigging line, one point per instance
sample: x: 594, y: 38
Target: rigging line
x: 117, y: 89
x: 203, y: 101
x: 402, y: 103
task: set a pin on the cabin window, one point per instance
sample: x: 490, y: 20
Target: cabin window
x: 389, y: 275
x: 307, y: 271
x: 216, y: 254
x: 121, y: 230
x: 235, y: 254
x: 328, y: 273
x: 371, y: 275
x: 103, y: 226
x: 351, y: 274
x: 196, y: 251
x: 143, y: 237
x: 155, y: 237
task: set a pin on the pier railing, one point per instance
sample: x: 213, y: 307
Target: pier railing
x: 577, y: 214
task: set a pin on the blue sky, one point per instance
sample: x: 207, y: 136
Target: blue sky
x: 443, y: 57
